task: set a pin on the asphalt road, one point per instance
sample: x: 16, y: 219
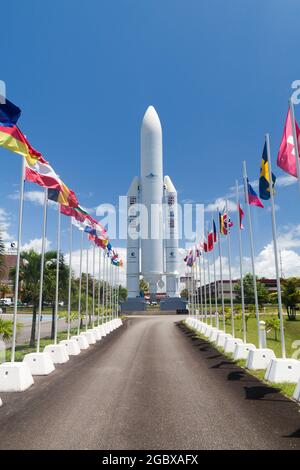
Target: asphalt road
x: 149, y: 385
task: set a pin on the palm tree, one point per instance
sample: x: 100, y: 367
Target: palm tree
x: 50, y: 281
x: 1, y: 253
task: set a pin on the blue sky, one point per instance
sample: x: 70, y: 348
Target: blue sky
x: 218, y: 73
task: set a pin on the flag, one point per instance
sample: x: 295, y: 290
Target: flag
x: 241, y: 216
x: 43, y: 174
x: 253, y: 197
x: 264, y: 182
x: 210, y: 241
x: 225, y: 223
x: 12, y: 139
x: 286, y: 159
x: 77, y: 212
x: 215, y: 232
x: 9, y: 113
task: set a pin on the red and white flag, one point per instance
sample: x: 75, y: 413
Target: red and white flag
x: 286, y: 159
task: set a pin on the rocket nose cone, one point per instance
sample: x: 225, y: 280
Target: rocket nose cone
x: 151, y: 122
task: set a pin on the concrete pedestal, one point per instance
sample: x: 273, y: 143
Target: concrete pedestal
x: 57, y: 352
x: 102, y: 330
x: 72, y: 346
x: 81, y: 341
x: 230, y: 344
x: 97, y: 333
x: 242, y: 350
x: 259, y: 358
x: 90, y: 337
x: 283, y: 370
x: 214, y: 334
x: 39, y: 363
x: 15, y: 377
x: 203, y: 328
x: 1, y: 403
x: 297, y: 392
x: 207, y: 331
x: 91, y: 332
x: 221, y: 338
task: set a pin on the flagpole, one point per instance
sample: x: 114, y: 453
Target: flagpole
x: 209, y: 288
x: 230, y: 273
x: 215, y: 284
x: 252, y: 250
x: 15, y: 314
x: 93, y: 309
x: 205, y: 295
x: 103, y: 290
x: 70, y: 277
x: 283, y: 351
x: 197, y: 290
x: 87, y: 291
x: 57, y: 273
x: 42, y: 269
x: 99, y: 277
x: 296, y: 147
x: 241, y: 262
x: 110, y: 289
x: 200, y: 285
x: 80, y: 285
x: 221, y: 276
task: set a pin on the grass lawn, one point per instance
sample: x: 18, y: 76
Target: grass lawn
x: 292, y: 333
x: 291, y: 328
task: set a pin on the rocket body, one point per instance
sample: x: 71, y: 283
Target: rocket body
x: 146, y: 255
x: 151, y: 198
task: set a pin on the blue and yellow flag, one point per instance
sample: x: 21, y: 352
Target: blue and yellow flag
x: 264, y: 181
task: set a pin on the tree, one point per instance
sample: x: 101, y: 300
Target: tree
x: 30, y: 265
x: 50, y: 282
x: 273, y: 324
x: 262, y: 291
x: 291, y: 295
x: 122, y: 293
x: 1, y: 253
x: 4, y: 290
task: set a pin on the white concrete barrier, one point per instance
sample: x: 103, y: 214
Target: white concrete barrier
x: 230, y: 344
x: 259, y: 358
x: 97, y: 333
x: 297, y: 392
x: 283, y: 370
x: 15, y: 377
x: 39, y: 363
x: 102, y: 330
x: 81, y: 340
x: 57, y: 352
x: 221, y: 338
x: 214, y: 334
x: 89, y: 335
x: 207, y: 331
x: 242, y: 350
x: 71, y: 345
x: 1, y: 403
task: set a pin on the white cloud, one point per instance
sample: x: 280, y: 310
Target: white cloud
x: 219, y: 204
x: 36, y: 197
x: 285, y: 180
x: 5, y: 226
x: 36, y: 245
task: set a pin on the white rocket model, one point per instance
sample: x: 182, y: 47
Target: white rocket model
x: 157, y: 216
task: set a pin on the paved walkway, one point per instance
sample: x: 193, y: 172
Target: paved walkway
x: 149, y: 385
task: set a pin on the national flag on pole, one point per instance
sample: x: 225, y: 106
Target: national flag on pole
x: 43, y: 174
x: 12, y: 139
x: 9, y: 112
x: 253, y: 197
x: 264, y: 181
x: 225, y: 223
x: 241, y: 216
x: 210, y: 241
x: 215, y: 232
x: 286, y: 159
